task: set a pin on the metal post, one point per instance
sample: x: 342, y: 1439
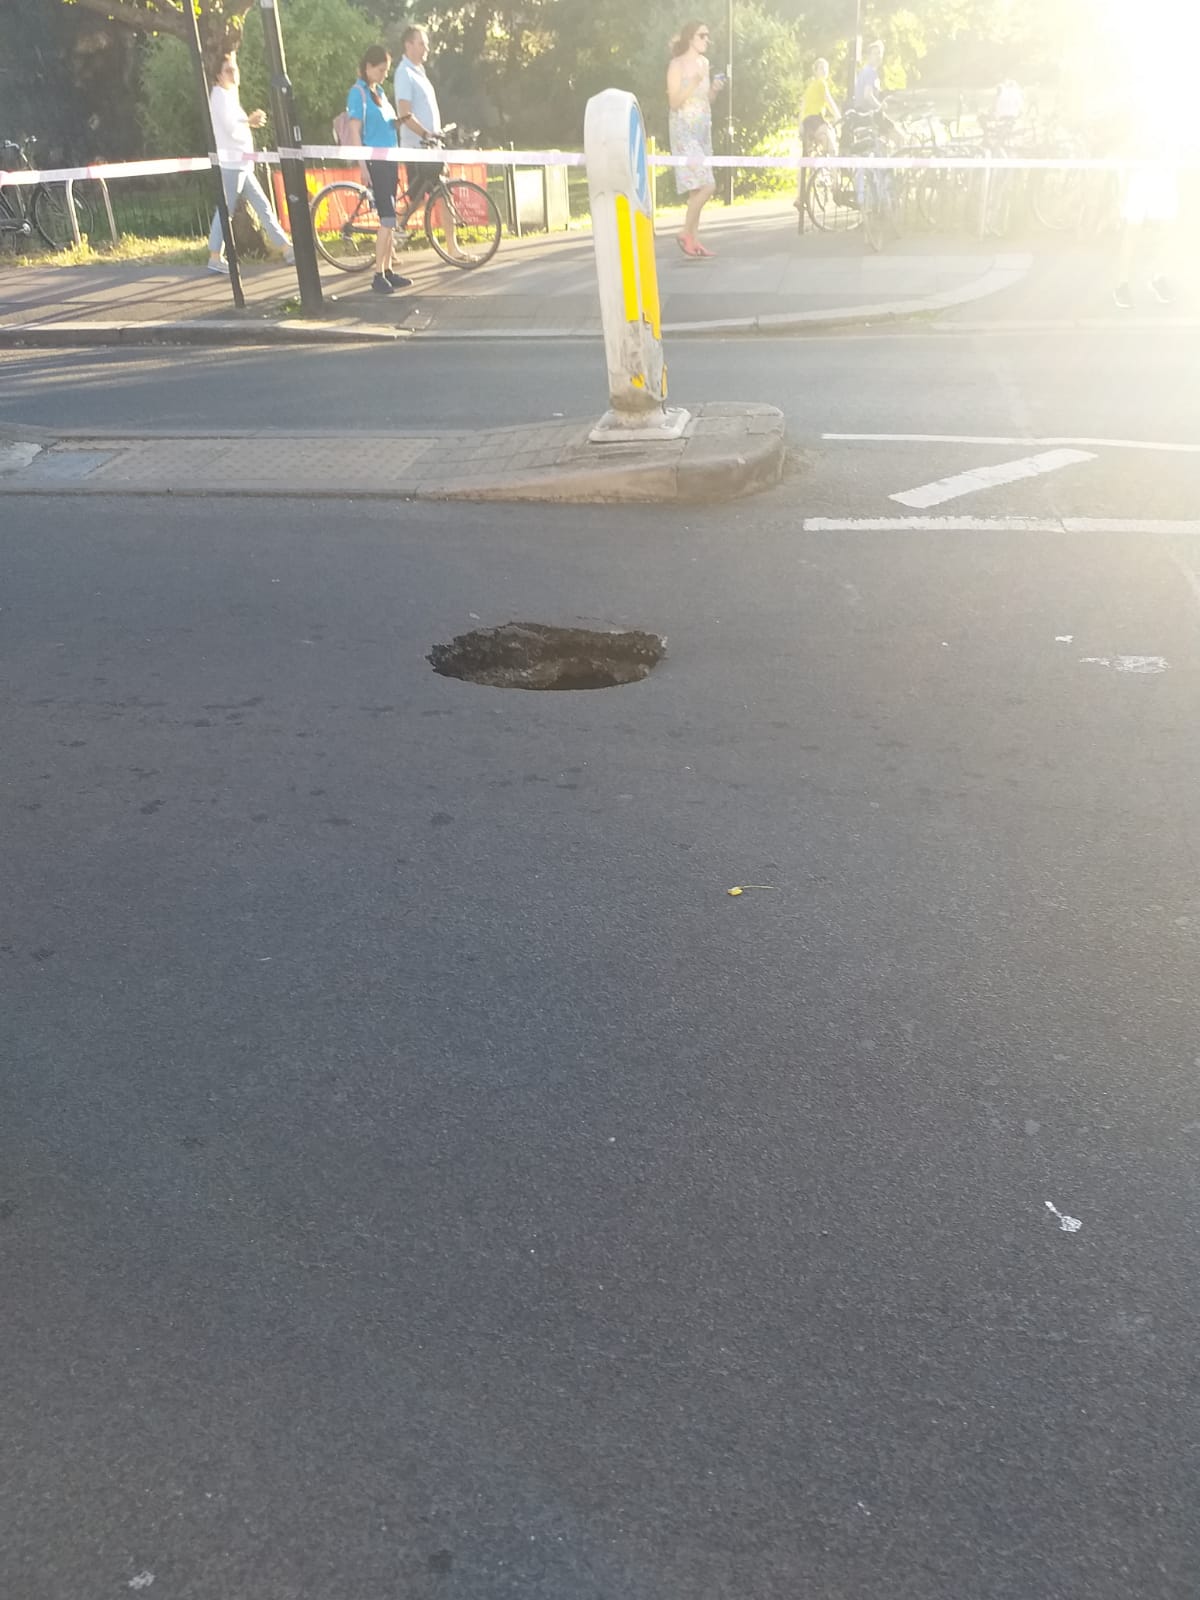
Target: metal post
x: 728, y: 180
x: 112, y: 221
x: 855, y: 51
x: 291, y: 164
x: 73, y: 219
x: 985, y: 195
x: 235, y: 276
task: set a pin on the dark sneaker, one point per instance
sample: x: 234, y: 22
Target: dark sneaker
x: 1161, y: 290
x: 396, y: 281
x: 380, y: 284
x: 1123, y: 297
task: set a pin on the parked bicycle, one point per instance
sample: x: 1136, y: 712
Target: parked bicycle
x: 42, y: 209
x: 873, y: 133
x: 1073, y: 199
x: 459, y: 218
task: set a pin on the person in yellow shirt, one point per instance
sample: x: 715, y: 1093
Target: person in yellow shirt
x: 816, y: 135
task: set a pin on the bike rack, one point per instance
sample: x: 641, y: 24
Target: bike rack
x: 108, y: 211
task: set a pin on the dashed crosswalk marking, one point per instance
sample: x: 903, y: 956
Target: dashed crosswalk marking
x: 978, y: 478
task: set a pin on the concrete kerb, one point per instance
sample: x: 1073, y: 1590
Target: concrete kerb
x: 215, y: 331
x: 219, y: 331
x: 728, y: 450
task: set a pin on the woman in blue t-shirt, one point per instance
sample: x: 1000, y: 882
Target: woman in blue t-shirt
x: 373, y: 123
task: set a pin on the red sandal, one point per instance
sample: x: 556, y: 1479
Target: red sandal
x: 687, y: 244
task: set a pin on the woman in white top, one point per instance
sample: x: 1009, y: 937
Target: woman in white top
x: 232, y: 131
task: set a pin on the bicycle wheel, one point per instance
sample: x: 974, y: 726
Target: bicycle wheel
x: 874, y: 215
x: 829, y: 198
x: 998, y: 218
x: 53, y: 221
x: 462, y: 223
x: 14, y: 224
x: 1057, y: 198
x: 344, y: 223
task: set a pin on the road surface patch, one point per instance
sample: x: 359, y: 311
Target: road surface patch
x: 530, y: 655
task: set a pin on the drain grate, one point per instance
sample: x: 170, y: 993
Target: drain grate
x: 531, y: 655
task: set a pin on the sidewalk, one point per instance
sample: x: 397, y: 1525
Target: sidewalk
x: 766, y: 277
x: 1072, y: 287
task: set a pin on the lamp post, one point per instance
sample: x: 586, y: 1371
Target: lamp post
x: 855, y: 51
x: 231, y: 255
x: 291, y: 163
x: 728, y: 195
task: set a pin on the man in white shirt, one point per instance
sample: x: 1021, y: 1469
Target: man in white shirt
x: 232, y: 130
x: 417, y: 111
x: 419, y: 119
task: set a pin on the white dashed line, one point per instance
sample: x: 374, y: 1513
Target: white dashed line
x: 1008, y: 439
x: 971, y: 482
x: 965, y: 524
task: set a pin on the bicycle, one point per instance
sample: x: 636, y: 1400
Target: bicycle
x: 828, y: 197
x: 460, y: 220
x: 870, y: 134
x: 46, y: 208
x: 1072, y: 199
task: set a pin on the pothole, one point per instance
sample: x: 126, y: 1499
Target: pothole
x: 531, y: 655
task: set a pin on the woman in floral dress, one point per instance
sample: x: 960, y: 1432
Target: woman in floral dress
x: 690, y: 95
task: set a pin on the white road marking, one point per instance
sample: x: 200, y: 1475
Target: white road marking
x: 977, y: 478
x: 1064, y: 638
x: 965, y: 524
x: 1008, y: 439
x: 16, y: 454
x: 1067, y: 1224
x: 1141, y: 664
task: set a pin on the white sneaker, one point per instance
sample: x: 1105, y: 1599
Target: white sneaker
x: 289, y: 257
x: 221, y: 267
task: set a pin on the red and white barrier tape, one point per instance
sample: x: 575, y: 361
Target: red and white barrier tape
x: 352, y: 155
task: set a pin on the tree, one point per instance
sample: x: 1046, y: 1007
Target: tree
x: 325, y: 40
x: 222, y: 22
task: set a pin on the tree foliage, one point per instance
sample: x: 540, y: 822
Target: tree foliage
x: 222, y: 22
x: 325, y: 41
x: 522, y: 72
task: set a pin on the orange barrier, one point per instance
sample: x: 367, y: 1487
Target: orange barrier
x: 318, y: 177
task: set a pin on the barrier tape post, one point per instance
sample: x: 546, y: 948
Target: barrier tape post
x: 291, y: 164
x: 614, y: 144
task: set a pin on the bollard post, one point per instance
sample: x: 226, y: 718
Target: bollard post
x: 614, y: 144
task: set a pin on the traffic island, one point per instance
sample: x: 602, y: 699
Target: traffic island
x: 726, y: 449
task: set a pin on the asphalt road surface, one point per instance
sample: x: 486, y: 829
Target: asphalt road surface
x: 1107, y: 382
x: 419, y: 1178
